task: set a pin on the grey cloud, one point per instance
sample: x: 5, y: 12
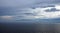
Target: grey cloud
x: 31, y: 14
x: 52, y: 10
x: 15, y: 11
x: 47, y: 1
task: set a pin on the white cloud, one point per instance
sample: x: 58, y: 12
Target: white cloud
x: 57, y: 7
x: 42, y: 14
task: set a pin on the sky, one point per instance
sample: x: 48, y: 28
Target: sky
x: 29, y: 10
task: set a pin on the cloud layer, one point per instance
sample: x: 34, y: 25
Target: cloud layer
x: 29, y: 9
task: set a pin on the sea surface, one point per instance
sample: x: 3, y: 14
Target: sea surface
x: 25, y: 27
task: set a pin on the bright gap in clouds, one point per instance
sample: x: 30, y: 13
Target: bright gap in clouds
x: 6, y: 17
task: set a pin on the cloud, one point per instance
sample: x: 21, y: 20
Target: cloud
x: 52, y: 10
x: 57, y: 7
x: 42, y: 14
x: 30, y: 13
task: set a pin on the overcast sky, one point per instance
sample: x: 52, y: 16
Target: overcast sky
x: 16, y: 10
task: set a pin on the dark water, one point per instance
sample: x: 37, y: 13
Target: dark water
x: 25, y: 27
